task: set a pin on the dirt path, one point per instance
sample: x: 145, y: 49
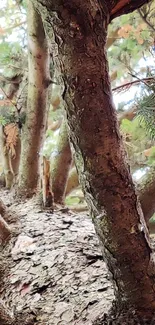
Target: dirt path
x: 56, y: 272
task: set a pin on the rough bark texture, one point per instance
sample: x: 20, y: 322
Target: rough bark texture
x: 145, y: 189
x: 60, y: 166
x: 38, y: 81
x: 80, y: 32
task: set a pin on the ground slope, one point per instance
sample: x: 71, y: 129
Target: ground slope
x: 54, y: 271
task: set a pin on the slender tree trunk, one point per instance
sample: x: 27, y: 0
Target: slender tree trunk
x: 73, y: 181
x: 7, y: 168
x: 36, y: 115
x: 61, y: 163
x: 15, y: 161
x: 80, y: 29
x: 5, y: 231
x: 47, y: 194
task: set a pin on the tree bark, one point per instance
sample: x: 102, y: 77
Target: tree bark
x: 60, y: 166
x: 36, y: 115
x: 15, y: 161
x: 5, y: 231
x: 145, y: 189
x: 46, y: 184
x: 7, y: 168
x: 73, y: 181
x: 80, y: 30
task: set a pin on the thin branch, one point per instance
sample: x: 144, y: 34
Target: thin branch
x: 127, y: 85
x: 14, y: 26
x: 144, y: 17
x: 8, y: 98
x: 124, y: 7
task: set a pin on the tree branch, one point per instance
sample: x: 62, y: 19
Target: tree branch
x: 122, y: 7
x: 144, y: 17
x: 112, y: 38
x: 127, y: 85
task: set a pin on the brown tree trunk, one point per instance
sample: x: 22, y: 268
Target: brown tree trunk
x: 36, y: 115
x: 60, y: 166
x: 15, y: 161
x: 80, y: 29
x: 7, y: 168
x: 46, y: 184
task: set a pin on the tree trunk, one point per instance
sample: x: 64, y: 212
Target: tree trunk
x: 4, y: 228
x: 15, y: 161
x: 73, y: 181
x: 7, y: 168
x: 145, y: 189
x: 36, y: 115
x: 46, y: 184
x: 80, y: 29
x: 61, y: 163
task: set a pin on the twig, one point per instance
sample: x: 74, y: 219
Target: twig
x: 14, y: 26
x: 144, y: 17
x: 127, y: 85
x: 8, y: 98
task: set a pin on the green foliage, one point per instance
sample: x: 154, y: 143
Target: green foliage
x: 133, y: 42
x: 8, y: 114
x: 12, y: 38
x: 3, y: 120
x: 138, y: 143
x: 151, y: 159
x: 135, y: 129
x: 146, y: 108
x: 50, y: 143
x: 72, y: 200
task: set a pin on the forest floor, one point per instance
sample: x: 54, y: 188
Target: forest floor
x: 53, y: 270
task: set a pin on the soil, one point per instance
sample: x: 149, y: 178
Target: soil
x: 53, y: 270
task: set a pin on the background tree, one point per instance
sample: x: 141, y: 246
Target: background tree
x: 36, y: 117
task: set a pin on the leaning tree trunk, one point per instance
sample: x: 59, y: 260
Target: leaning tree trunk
x: 36, y: 114
x: 145, y: 189
x: 60, y: 166
x: 80, y: 29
